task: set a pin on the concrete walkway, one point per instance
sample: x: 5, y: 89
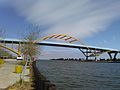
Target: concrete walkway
x: 7, y: 75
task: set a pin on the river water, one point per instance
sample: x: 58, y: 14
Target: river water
x: 75, y: 75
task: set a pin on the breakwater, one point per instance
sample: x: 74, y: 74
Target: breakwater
x: 40, y: 81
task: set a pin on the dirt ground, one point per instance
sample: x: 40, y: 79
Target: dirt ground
x: 20, y: 86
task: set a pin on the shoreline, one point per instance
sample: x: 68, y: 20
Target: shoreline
x: 97, y: 61
x: 9, y: 79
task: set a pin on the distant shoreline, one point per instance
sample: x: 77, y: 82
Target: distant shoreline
x: 99, y: 61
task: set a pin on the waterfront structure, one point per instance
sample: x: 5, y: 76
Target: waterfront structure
x: 88, y: 51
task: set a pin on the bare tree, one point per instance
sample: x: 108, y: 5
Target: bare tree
x: 29, y: 48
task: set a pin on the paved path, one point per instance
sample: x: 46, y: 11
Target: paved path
x: 7, y: 75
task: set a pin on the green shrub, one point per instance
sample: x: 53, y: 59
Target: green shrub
x: 22, y: 62
x: 2, y: 61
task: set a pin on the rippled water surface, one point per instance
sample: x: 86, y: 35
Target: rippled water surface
x: 75, y: 75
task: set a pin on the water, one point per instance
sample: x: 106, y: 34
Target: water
x: 75, y: 75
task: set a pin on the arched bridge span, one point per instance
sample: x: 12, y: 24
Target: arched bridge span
x: 88, y: 51
x: 10, y: 49
x: 64, y: 37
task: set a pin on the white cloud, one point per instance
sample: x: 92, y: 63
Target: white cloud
x: 80, y: 18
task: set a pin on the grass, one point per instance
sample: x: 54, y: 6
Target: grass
x: 21, y: 85
x: 22, y: 62
x: 2, y: 61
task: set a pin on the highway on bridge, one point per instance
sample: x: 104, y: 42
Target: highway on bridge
x: 88, y: 51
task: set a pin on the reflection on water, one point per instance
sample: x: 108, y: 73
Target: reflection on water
x: 75, y: 75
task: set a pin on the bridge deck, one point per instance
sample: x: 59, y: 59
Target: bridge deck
x: 48, y: 43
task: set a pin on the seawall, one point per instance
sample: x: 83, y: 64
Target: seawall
x: 40, y: 81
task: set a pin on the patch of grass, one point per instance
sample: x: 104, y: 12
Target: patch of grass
x: 2, y: 61
x: 21, y: 85
x: 22, y: 62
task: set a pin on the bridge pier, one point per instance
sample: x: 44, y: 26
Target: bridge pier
x: 87, y: 57
x: 89, y: 53
x: 85, y: 54
x: 112, y: 55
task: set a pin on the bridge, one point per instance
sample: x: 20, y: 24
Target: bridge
x: 87, y: 50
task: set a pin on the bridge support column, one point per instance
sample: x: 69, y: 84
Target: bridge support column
x: 114, y: 56
x: 85, y: 54
x: 86, y: 57
x: 95, y: 52
x: 110, y: 55
x: 19, y: 48
x: 91, y: 53
x: 95, y: 58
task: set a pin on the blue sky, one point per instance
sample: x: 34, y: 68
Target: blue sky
x: 95, y: 22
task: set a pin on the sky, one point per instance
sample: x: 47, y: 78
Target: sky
x: 94, y: 22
